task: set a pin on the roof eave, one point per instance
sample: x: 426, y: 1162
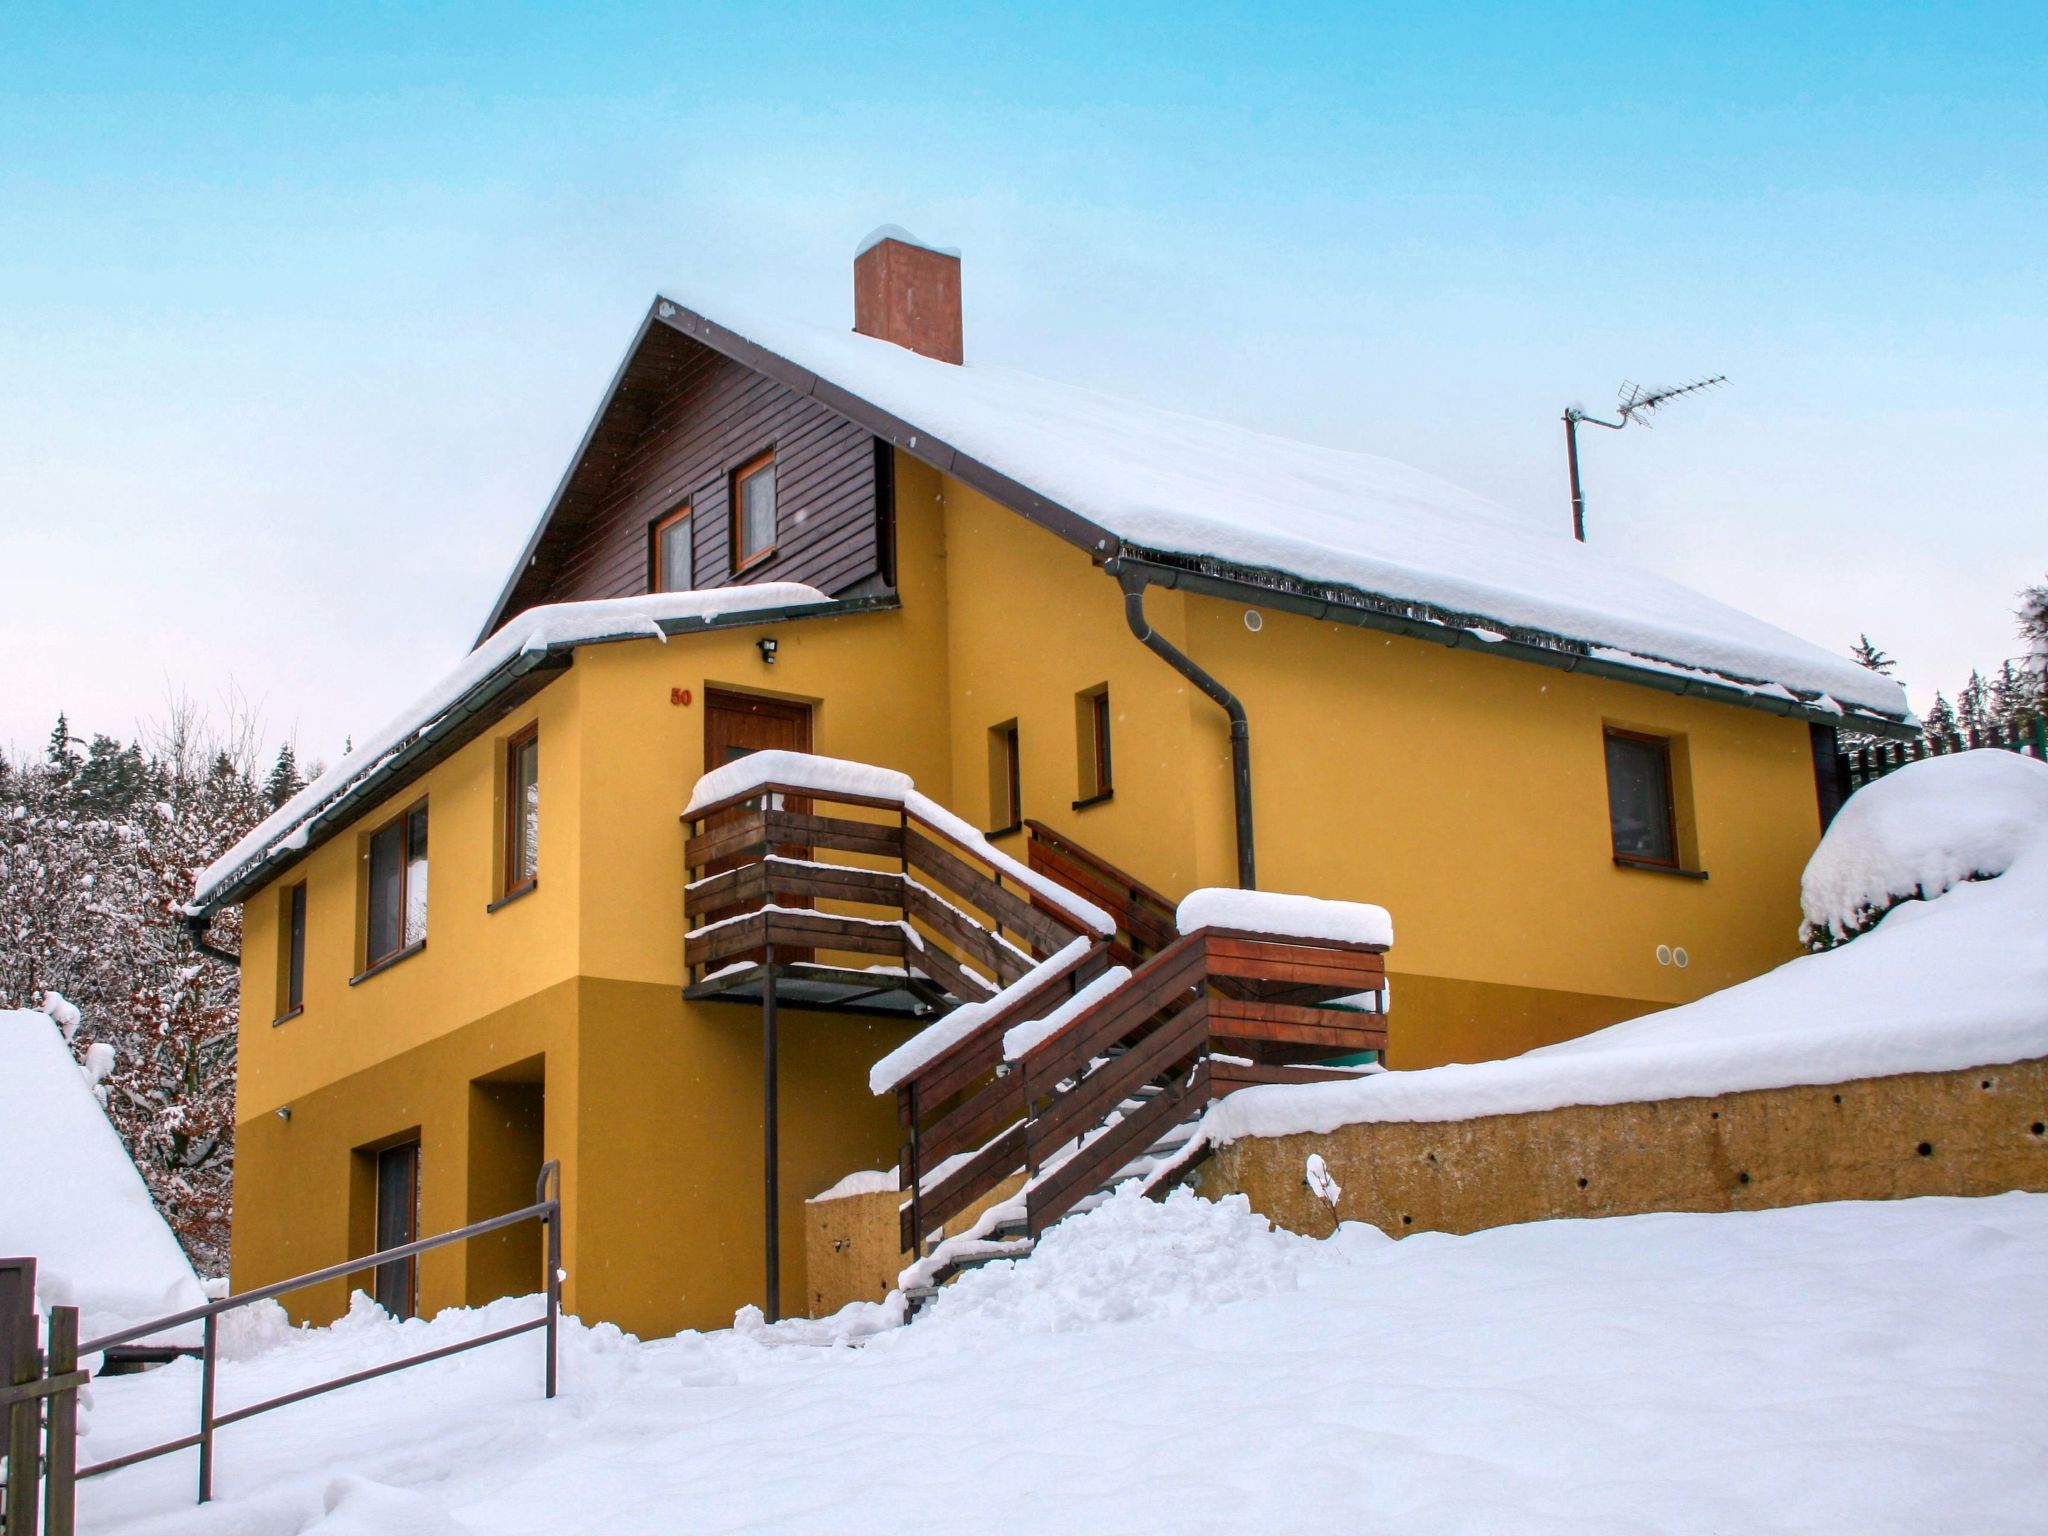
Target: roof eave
x: 490, y: 697
x: 1287, y: 593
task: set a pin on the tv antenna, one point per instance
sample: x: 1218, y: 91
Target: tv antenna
x: 1634, y: 403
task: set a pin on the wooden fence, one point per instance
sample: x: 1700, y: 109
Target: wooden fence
x: 1864, y: 765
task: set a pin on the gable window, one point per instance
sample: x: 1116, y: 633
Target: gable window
x: 1005, y: 786
x: 1091, y: 733
x: 522, y: 810
x: 753, y: 511
x: 397, y: 908
x: 1640, y: 810
x: 669, y: 558
x: 292, y: 957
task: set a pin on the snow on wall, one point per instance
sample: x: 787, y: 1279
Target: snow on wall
x: 537, y: 629
x: 70, y: 1197
x: 1921, y: 830
x: 1183, y: 485
x: 1956, y: 981
x: 1277, y: 912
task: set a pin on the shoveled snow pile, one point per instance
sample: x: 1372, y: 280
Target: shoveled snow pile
x: 1921, y: 830
x: 71, y: 1198
x: 1166, y: 482
x: 1179, y: 1367
x: 1957, y: 981
x: 1276, y: 912
x: 654, y: 614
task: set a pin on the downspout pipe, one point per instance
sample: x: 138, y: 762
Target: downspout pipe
x: 196, y: 925
x: 1133, y: 583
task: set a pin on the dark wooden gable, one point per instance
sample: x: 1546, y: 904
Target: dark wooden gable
x: 680, y: 419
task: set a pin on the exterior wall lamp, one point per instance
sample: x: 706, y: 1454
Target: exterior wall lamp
x: 767, y: 645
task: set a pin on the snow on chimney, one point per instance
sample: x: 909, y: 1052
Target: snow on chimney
x: 908, y: 292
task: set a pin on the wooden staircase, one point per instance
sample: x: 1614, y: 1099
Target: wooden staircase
x: 1084, y: 1097
x: 1091, y: 1053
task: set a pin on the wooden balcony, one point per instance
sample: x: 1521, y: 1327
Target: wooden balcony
x: 853, y: 904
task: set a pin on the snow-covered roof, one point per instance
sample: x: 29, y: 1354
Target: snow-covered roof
x: 70, y: 1196
x: 520, y: 646
x: 1158, y: 481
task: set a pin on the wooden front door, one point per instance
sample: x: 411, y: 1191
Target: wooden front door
x: 737, y: 725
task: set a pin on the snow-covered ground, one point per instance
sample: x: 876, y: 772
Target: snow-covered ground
x: 1955, y: 980
x: 1182, y: 1368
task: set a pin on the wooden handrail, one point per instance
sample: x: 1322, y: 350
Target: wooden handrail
x: 1138, y: 888
x: 1263, y: 999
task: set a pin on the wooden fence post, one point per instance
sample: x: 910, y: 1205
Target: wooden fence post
x: 20, y: 1423
x: 60, y: 1459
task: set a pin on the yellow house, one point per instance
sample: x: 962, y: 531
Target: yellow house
x: 1143, y: 654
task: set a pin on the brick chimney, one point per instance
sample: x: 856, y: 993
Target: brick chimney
x: 908, y: 293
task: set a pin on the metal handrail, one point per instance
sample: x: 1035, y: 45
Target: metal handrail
x: 546, y: 1208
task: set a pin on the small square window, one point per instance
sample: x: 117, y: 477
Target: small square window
x: 671, y: 563
x: 1639, y: 806
x: 753, y: 511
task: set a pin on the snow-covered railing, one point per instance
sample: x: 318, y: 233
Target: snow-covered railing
x: 1092, y: 1067
x: 794, y: 856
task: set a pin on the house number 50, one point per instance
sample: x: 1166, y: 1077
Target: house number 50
x: 679, y: 696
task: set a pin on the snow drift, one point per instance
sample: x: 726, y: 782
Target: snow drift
x: 1918, y: 832
x: 70, y: 1197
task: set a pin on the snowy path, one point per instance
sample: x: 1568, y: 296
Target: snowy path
x: 1875, y: 1368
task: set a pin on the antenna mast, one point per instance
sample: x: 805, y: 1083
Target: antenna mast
x: 1634, y: 403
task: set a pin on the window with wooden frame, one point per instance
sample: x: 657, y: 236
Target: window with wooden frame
x: 753, y: 511
x: 522, y: 811
x: 671, y: 564
x: 1005, y: 780
x: 396, y: 907
x: 1091, y: 736
x: 291, y: 952
x: 1641, y: 811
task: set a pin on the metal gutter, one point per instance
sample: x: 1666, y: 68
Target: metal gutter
x: 1274, y: 589
x: 451, y: 730
x: 1133, y: 580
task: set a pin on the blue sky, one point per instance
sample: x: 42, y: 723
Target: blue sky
x: 301, y: 314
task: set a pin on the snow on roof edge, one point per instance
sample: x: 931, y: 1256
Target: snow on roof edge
x: 950, y: 405
x: 535, y: 632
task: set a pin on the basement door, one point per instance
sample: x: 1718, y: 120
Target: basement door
x: 398, y: 1223
x: 737, y: 725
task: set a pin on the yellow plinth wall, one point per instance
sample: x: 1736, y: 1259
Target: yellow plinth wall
x: 653, y: 1108
x: 1976, y: 1132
